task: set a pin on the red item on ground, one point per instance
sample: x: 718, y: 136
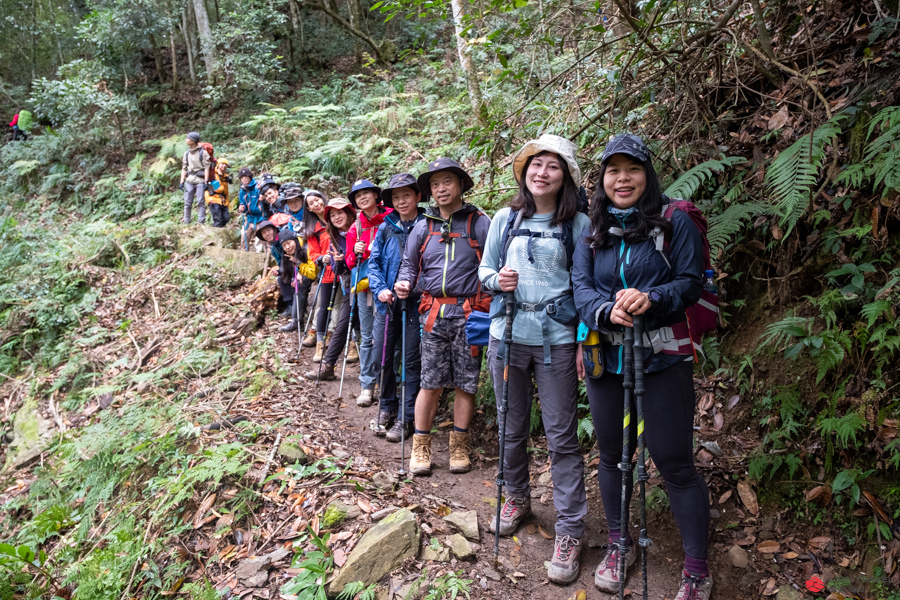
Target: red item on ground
x: 815, y: 585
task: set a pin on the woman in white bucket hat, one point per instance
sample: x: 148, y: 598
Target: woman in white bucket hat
x: 528, y: 255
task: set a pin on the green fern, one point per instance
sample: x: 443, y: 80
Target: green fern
x: 881, y: 162
x: 723, y: 226
x: 793, y: 174
x: 688, y: 184
x: 873, y: 310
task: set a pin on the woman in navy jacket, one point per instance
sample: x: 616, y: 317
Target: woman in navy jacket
x: 619, y: 272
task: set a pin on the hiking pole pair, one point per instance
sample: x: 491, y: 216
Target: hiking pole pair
x: 334, y: 289
x: 353, y: 302
x: 312, y: 310
x: 633, y: 351
x: 403, y: 306
x: 509, y: 300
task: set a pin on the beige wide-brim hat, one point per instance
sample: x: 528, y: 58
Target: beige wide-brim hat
x: 548, y: 143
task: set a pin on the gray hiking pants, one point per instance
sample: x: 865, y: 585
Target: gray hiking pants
x: 192, y: 191
x: 557, y: 385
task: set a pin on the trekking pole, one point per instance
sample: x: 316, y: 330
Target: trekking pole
x: 501, y: 415
x: 312, y: 309
x: 402, y: 471
x: 387, y: 321
x: 643, y: 541
x: 244, y: 231
x: 625, y: 466
x: 297, y: 306
x: 353, y: 296
x: 334, y: 289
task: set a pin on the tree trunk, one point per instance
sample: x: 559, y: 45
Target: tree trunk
x: 356, y: 21
x: 185, y: 29
x: 206, y: 41
x: 174, y: 60
x: 465, y: 60
x: 157, y: 58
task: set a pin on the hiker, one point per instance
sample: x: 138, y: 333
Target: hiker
x: 339, y: 214
x: 620, y: 270
x: 249, y: 205
x: 441, y: 261
x: 270, y: 234
x: 316, y: 234
x: 365, y: 197
x: 217, y: 194
x: 295, y: 254
x: 268, y: 193
x: 293, y: 212
x: 403, y: 196
x: 21, y: 125
x: 194, y: 177
x: 528, y: 255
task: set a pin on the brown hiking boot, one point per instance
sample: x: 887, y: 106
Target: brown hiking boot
x: 310, y: 340
x: 565, y: 564
x: 325, y: 374
x: 459, y: 452
x: 320, y: 350
x: 420, y: 460
x: 352, y: 353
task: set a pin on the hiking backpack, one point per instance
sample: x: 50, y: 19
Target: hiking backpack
x: 565, y: 237
x: 701, y: 317
x: 211, y: 172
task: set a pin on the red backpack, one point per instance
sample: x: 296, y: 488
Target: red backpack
x: 702, y: 317
x: 211, y: 173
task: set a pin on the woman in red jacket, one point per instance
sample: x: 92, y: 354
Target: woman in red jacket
x: 316, y: 235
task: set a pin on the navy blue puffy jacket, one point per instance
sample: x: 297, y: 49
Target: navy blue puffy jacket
x: 598, y: 274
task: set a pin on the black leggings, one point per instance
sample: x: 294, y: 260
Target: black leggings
x: 669, y: 427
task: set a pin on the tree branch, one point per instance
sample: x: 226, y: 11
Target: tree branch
x: 332, y: 12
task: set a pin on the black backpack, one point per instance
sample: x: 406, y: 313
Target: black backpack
x: 566, y: 238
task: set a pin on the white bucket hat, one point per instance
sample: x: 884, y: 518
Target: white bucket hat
x: 548, y: 143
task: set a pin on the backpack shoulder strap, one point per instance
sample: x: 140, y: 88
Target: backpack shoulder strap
x: 505, y: 238
x: 568, y: 242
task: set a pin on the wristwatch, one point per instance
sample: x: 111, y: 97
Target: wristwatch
x: 654, y: 296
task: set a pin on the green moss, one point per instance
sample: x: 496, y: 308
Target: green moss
x: 333, y: 516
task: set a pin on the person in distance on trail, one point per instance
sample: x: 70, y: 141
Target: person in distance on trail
x: 21, y: 125
x: 316, y: 233
x: 295, y: 255
x: 269, y: 193
x: 194, y: 177
x: 403, y: 196
x: 293, y: 212
x: 339, y: 215
x: 365, y: 197
x: 217, y: 194
x: 619, y: 272
x: 529, y: 252
x: 249, y: 205
x: 441, y: 261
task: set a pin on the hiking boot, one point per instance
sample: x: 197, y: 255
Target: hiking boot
x: 310, y: 340
x: 393, y: 435
x: 565, y: 564
x: 380, y: 424
x: 694, y: 588
x: 353, y: 354
x: 287, y: 312
x: 326, y: 373
x: 320, y: 350
x: 606, y: 578
x: 512, y: 514
x: 420, y: 459
x: 365, y: 396
x: 459, y: 452
x: 292, y: 326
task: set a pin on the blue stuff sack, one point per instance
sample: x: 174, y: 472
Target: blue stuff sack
x: 478, y: 328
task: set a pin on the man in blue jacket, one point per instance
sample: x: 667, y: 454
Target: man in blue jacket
x: 402, y: 194
x: 249, y: 206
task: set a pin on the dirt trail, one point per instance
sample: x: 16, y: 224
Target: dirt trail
x: 474, y: 491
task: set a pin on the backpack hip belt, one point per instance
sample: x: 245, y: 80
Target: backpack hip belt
x: 432, y: 305
x: 546, y: 309
x: 673, y: 339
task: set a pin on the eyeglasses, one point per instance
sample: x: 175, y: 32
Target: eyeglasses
x: 445, y: 233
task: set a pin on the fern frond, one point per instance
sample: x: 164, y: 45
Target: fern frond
x: 874, y: 310
x: 723, y: 226
x: 783, y: 330
x: 793, y: 173
x: 689, y: 182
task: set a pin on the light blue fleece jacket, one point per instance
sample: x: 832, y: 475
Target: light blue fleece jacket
x: 542, y: 281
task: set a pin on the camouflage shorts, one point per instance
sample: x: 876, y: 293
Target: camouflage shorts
x: 447, y: 359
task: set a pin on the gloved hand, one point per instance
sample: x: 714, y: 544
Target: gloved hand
x: 181, y: 186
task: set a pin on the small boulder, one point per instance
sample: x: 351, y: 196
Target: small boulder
x: 291, y: 450
x: 466, y: 522
x: 739, y: 557
x: 460, y: 547
x: 429, y: 554
x: 379, y: 551
x: 786, y: 592
x: 338, y: 512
